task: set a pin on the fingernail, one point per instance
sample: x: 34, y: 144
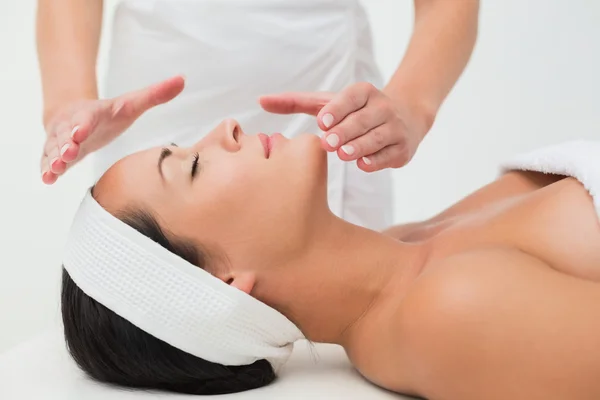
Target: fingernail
x: 333, y: 140
x: 348, y: 149
x: 327, y: 120
x: 64, y: 149
x: 74, y: 131
x: 366, y: 161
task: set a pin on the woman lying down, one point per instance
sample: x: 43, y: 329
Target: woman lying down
x: 195, y: 270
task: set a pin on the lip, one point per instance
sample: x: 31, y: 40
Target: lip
x: 269, y: 142
x: 274, y: 139
x: 266, y: 143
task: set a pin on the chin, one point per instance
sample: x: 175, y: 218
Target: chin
x: 310, y: 145
x: 304, y: 163
x: 315, y: 157
x: 315, y: 166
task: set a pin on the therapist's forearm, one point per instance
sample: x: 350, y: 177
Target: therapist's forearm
x: 68, y: 36
x: 443, y: 38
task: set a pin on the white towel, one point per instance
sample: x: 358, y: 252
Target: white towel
x: 169, y: 298
x: 577, y: 159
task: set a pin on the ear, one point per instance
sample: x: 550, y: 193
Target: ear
x: 243, y: 281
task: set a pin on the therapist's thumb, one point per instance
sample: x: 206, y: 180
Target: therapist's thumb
x: 295, y: 102
x: 138, y: 102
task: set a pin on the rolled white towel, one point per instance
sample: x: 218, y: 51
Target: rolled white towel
x: 578, y: 159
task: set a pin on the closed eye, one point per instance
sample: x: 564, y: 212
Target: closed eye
x: 195, y: 164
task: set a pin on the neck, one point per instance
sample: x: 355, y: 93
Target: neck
x: 345, y: 271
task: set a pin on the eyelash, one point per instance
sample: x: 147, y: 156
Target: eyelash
x: 195, y: 164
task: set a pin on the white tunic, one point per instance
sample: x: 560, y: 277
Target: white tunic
x: 232, y: 52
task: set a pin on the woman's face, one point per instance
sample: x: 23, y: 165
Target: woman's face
x: 255, y: 199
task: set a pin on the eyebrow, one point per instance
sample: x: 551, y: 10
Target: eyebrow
x: 163, y: 154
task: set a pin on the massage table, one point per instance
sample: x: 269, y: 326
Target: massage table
x: 42, y: 369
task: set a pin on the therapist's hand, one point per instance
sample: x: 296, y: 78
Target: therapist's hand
x: 361, y: 123
x: 82, y: 127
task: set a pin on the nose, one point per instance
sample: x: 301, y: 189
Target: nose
x: 232, y: 132
x: 226, y: 135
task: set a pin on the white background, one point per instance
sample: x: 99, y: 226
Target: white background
x: 533, y: 80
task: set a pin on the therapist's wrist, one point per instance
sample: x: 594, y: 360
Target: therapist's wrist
x: 420, y: 107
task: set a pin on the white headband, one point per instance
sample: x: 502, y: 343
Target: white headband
x: 169, y: 298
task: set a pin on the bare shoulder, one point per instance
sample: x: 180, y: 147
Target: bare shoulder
x: 467, y: 326
x: 391, y: 344
x: 456, y: 280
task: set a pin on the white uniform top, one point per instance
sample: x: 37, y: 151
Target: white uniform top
x: 232, y: 52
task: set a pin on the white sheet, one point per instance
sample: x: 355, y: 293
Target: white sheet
x: 41, y: 369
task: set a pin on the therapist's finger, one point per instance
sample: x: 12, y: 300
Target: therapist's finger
x: 52, y: 138
x: 355, y: 127
x: 367, y: 144
x: 83, y: 124
x: 394, y: 156
x: 67, y: 144
x: 69, y: 151
x: 343, y: 104
x: 53, y: 161
x: 138, y: 102
x: 57, y: 166
x: 48, y: 177
x: 295, y: 102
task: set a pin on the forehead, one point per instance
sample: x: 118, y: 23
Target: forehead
x: 128, y: 181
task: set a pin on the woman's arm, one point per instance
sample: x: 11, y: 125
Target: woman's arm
x: 442, y: 42
x: 68, y: 35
